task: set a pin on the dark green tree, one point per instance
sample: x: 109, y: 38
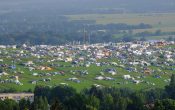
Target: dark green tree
x: 170, y: 89
x: 2, y: 105
x: 11, y: 105
x: 24, y: 104
x: 165, y: 104
x: 93, y: 103
x: 40, y: 104
x: 108, y: 102
x: 61, y: 92
x: 45, y: 103
x: 123, y: 103
x: 56, y: 105
x: 138, y: 101
x: 76, y: 102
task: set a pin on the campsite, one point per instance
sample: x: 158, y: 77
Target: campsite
x: 136, y: 65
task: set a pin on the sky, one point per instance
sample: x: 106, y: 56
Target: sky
x: 76, y: 5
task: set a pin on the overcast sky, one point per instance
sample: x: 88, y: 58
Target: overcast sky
x: 16, y: 5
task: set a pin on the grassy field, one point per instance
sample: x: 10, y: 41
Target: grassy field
x: 87, y: 80
x: 163, y: 21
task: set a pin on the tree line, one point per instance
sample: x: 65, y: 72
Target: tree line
x: 96, y: 98
x: 58, y: 30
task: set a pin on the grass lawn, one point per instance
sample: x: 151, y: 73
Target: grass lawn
x: 87, y: 80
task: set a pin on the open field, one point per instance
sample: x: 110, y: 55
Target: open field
x: 163, y: 21
x: 61, y: 70
x: 86, y: 81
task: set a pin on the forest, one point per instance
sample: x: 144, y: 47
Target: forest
x: 58, y: 30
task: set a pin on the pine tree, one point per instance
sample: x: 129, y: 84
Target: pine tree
x: 172, y: 82
x: 93, y: 103
x: 108, y: 102
x: 39, y: 104
x: 123, y: 103
x: 24, y: 104
x: 165, y: 104
x: 45, y: 104
x: 11, y: 105
x: 170, y: 89
x: 56, y: 105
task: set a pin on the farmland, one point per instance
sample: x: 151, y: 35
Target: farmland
x: 159, y: 21
x: 163, y: 21
x: 25, y: 67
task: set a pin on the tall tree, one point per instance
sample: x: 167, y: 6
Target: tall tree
x: 24, y: 104
x: 76, y: 102
x: 138, y: 101
x: 93, y: 103
x: 39, y: 104
x: 123, y: 103
x: 108, y: 102
x: 11, y: 105
x: 165, y: 104
x: 170, y: 89
x: 45, y: 103
x: 56, y: 105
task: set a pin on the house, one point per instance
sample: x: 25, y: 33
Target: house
x: 17, y: 96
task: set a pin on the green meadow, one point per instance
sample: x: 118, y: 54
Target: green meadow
x: 86, y: 81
